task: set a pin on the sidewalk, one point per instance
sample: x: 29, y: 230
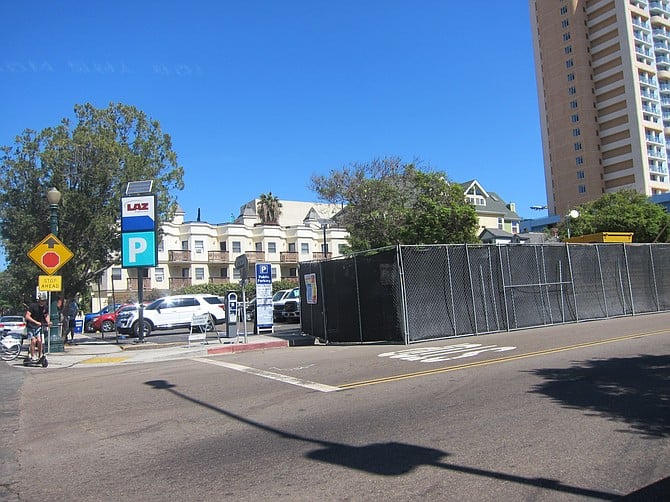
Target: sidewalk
x: 92, y: 350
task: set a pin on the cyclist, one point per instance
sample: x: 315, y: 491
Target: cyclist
x: 37, y: 315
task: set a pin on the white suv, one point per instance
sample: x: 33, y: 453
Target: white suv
x: 172, y: 312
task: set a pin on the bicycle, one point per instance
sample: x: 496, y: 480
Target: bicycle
x: 10, y: 346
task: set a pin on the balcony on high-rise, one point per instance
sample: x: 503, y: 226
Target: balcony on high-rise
x: 179, y: 255
x: 218, y: 256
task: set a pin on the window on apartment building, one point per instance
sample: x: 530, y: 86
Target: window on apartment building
x: 576, y: 132
x: 564, y: 10
x: 184, y: 245
x: 291, y: 247
x: 274, y: 272
x: 566, y: 36
x: 293, y: 272
x: 341, y: 248
x: 186, y: 272
x: 582, y: 188
x: 304, y: 248
x: 237, y: 247
x: 572, y: 90
x: 571, y: 77
x: 159, y: 274
x: 578, y: 146
x: 116, y: 274
x: 199, y: 274
x: 223, y: 246
x: 579, y: 160
x: 272, y: 247
x: 223, y: 273
x: 515, y: 227
x: 501, y: 223
x: 574, y: 118
x: 568, y: 49
x: 573, y: 104
x: 569, y: 63
x: 199, y: 247
x: 580, y: 175
x: 258, y: 246
x: 565, y: 23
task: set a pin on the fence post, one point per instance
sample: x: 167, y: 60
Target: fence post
x: 358, y: 300
x: 653, y: 276
x: 572, y: 280
x: 472, y: 289
x: 630, y: 286
x: 602, y: 281
x: 403, y: 296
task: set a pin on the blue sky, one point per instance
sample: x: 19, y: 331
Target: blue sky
x: 260, y: 95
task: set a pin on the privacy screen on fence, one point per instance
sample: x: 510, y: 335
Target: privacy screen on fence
x: 414, y: 293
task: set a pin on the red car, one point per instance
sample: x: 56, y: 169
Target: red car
x: 105, y: 322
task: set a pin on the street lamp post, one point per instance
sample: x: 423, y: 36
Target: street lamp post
x: 55, y: 340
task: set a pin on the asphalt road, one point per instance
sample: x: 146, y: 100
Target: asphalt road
x: 573, y: 412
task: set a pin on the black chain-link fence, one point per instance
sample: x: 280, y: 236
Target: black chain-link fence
x: 413, y: 293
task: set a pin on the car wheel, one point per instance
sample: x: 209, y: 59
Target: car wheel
x: 107, y: 326
x: 147, y: 329
x: 88, y: 327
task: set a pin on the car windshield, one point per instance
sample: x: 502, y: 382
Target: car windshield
x: 278, y: 296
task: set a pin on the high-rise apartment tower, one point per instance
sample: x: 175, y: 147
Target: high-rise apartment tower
x: 603, y: 78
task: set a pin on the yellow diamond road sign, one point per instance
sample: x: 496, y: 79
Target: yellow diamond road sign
x: 50, y: 254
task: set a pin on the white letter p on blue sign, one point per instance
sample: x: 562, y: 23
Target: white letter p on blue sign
x: 138, y: 249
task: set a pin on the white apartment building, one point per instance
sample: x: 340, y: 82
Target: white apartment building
x: 197, y: 252
x: 603, y: 79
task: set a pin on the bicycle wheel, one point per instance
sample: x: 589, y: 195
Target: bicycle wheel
x: 10, y: 353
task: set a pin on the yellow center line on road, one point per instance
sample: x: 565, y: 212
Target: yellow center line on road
x: 436, y: 371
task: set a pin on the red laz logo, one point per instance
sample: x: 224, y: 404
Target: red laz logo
x: 138, y: 206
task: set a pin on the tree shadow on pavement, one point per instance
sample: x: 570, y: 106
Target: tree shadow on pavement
x: 387, y: 459
x: 634, y: 390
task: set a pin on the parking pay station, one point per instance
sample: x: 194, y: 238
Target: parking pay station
x: 231, y: 313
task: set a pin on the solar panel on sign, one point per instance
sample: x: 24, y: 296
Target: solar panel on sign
x: 139, y: 187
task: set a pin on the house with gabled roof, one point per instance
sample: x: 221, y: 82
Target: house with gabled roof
x: 492, y: 211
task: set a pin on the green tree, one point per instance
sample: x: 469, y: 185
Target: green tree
x: 89, y: 159
x: 386, y: 202
x: 268, y: 208
x: 623, y: 211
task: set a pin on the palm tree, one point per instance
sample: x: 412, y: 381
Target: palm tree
x: 268, y: 208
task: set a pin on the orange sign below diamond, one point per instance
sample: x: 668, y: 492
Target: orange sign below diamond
x: 50, y: 254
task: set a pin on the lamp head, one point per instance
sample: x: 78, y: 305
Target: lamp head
x: 53, y: 196
x: 574, y: 214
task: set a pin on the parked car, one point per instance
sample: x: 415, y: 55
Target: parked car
x: 14, y: 325
x: 251, y: 310
x: 105, y: 322
x: 279, y: 300
x: 88, y: 318
x: 291, y: 312
x: 172, y: 312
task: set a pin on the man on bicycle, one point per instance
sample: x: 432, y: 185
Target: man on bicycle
x: 37, y: 315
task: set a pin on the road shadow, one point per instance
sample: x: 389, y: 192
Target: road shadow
x: 632, y: 390
x: 386, y: 459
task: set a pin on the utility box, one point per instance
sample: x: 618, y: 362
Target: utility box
x: 78, y: 324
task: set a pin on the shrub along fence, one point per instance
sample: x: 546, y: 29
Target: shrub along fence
x: 407, y: 294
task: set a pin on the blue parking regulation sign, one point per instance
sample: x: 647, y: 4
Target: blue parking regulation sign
x: 264, y: 297
x: 138, y: 249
